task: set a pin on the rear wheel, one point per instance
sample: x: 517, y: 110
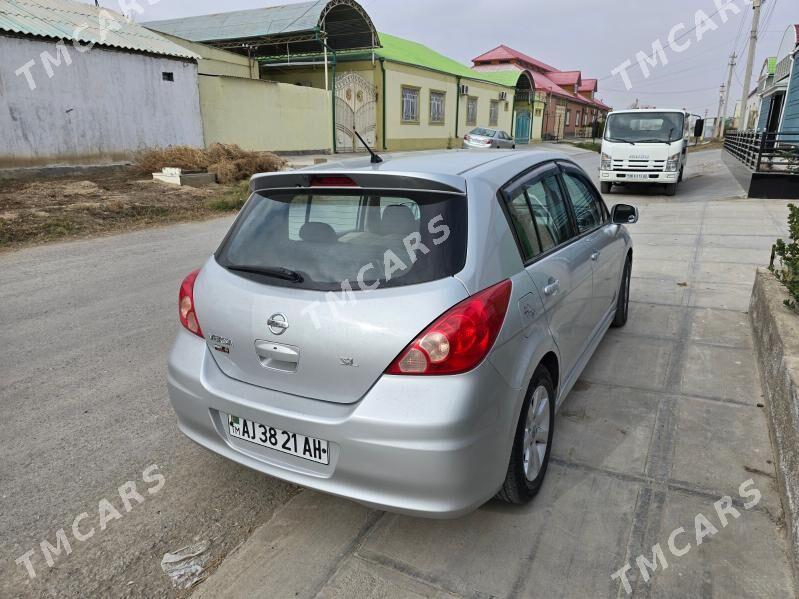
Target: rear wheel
x: 671, y: 189
x: 606, y: 187
x: 623, y: 298
x: 682, y: 170
x: 533, y: 442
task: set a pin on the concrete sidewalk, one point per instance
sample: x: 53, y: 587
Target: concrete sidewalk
x: 666, y: 420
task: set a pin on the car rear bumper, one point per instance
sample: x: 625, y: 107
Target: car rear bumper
x: 426, y: 446
x: 637, y: 177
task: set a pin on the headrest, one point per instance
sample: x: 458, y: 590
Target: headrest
x: 318, y: 233
x: 398, y: 220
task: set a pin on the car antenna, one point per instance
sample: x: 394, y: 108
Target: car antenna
x: 375, y: 158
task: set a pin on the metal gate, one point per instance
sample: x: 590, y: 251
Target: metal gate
x: 356, y: 110
x: 523, y: 122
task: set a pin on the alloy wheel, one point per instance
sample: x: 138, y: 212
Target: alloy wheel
x: 536, y: 433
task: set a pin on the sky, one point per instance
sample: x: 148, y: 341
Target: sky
x: 593, y: 36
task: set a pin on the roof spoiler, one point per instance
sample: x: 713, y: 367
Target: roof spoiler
x: 366, y: 179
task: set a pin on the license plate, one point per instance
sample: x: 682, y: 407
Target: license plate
x: 638, y: 176
x: 307, y: 448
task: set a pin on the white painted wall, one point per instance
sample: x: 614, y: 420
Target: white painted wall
x: 100, y: 108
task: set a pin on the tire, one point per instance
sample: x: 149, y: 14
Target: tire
x: 623, y: 298
x: 682, y: 170
x: 513, y: 147
x: 671, y: 189
x: 528, y: 467
x: 606, y: 187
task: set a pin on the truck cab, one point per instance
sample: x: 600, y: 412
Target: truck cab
x: 644, y: 147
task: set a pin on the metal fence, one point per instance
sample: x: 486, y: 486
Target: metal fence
x: 765, y: 152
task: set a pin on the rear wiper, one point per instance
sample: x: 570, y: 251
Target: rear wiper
x: 624, y: 141
x: 275, y: 272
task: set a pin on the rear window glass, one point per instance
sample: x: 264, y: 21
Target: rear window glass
x: 343, y: 240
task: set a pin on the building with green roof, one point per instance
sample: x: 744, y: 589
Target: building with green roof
x: 398, y: 94
x: 404, y: 95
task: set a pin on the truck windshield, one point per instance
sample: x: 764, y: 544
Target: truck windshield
x: 638, y: 127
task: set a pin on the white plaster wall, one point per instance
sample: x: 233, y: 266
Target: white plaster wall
x: 100, y: 108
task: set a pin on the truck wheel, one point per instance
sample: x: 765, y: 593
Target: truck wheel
x: 606, y: 187
x: 531, y: 446
x: 671, y: 189
x: 682, y: 170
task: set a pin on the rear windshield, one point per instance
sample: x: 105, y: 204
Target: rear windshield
x: 333, y: 240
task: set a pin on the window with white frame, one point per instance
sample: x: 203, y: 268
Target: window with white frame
x: 437, y: 103
x: 471, y: 111
x: 493, y: 114
x: 568, y: 117
x: 410, y: 104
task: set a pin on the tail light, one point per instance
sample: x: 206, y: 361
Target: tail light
x: 459, y: 339
x: 467, y: 137
x: 188, y: 316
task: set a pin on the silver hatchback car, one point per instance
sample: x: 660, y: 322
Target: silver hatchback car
x: 402, y: 333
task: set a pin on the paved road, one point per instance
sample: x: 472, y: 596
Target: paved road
x: 85, y: 328
x: 646, y: 440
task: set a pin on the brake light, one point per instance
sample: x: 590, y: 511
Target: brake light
x: 459, y: 339
x: 467, y: 137
x: 188, y: 316
x: 333, y: 182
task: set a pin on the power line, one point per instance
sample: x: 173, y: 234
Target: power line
x: 685, y: 91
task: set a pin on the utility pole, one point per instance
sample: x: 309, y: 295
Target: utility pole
x: 720, y: 133
x: 750, y: 61
x: 719, y: 125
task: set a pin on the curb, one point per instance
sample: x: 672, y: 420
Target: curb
x: 776, y: 339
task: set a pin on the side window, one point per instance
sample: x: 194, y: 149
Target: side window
x: 550, y: 212
x: 519, y: 212
x: 587, y: 206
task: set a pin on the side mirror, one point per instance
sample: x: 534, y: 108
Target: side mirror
x: 623, y: 214
x: 699, y: 128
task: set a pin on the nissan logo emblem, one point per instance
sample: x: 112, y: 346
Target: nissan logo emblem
x: 278, y: 324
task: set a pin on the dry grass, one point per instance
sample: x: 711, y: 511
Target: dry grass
x: 229, y: 162
x: 46, y: 210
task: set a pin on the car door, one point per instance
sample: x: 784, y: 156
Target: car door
x: 557, y: 266
x: 599, y: 237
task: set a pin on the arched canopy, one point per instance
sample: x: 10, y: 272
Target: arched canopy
x: 525, y: 81
x: 280, y: 30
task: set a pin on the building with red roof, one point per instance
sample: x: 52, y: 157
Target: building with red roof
x: 564, y: 104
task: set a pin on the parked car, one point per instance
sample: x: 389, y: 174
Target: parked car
x: 402, y: 333
x: 483, y: 138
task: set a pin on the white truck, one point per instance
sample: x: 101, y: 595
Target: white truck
x: 644, y: 147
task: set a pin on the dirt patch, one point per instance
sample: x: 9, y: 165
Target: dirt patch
x: 39, y: 211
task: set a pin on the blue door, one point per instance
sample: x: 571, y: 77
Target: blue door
x: 523, y: 122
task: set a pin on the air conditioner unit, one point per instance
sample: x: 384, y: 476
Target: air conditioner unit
x: 464, y: 90
x: 503, y: 96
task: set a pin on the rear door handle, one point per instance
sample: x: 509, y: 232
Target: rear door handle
x: 595, y: 255
x: 552, y: 288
